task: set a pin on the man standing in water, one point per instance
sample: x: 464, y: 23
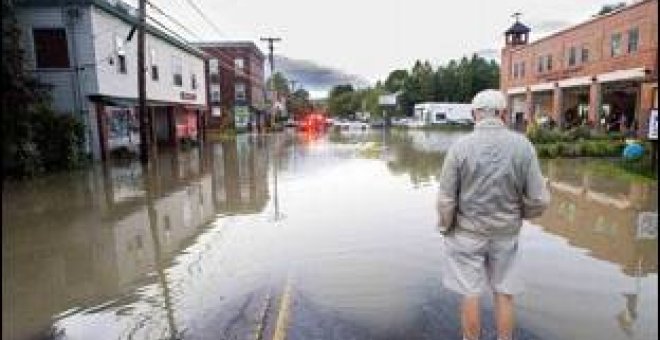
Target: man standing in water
x: 490, y: 181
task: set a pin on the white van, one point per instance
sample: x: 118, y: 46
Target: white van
x: 443, y: 113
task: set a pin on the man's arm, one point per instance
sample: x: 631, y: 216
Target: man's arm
x: 448, y: 192
x: 536, y: 197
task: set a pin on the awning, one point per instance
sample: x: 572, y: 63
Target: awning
x: 133, y: 102
x: 630, y: 74
x: 517, y: 90
x: 572, y: 82
x: 542, y: 87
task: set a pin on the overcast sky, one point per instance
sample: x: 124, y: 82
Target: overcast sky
x: 368, y: 38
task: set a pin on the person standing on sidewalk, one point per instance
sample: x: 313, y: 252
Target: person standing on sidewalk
x: 490, y: 181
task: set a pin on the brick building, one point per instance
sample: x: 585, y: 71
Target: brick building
x: 602, y: 72
x: 236, y: 90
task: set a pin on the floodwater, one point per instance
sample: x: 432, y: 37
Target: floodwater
x: 300, y: 236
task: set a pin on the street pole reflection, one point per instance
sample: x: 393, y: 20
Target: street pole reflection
x: 151, y: 179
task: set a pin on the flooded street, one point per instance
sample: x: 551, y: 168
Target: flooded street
x: 299, y: 236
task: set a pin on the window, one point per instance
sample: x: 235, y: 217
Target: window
x: 216, y: 111
x: 215, y: 93
x: 633, y: 40
x: 585, y: 55
x: 239, y: 63
x: 177, y: 72
x: 440, y: 116
x: 214, y: 66
x: 121, y: 54
x: 615, y: 44
x: 539, y: 65
x: 515, y: 70
x: 51, y: 48
x: 572, y: 56
x: 121, y: 64
x: 548, y: 62
x: 522, y: 69
x: 154, y: 65
x: 193, y: 81
x: 239, y: 91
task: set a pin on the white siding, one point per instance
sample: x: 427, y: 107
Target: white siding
x: 78, y: 36
x: 113, y: 83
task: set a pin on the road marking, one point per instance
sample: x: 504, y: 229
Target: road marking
x: 283, y: 313
x: 261, y: 323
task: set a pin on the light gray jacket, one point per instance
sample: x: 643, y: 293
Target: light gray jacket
x: 490, y: 181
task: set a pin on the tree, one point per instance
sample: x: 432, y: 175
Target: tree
x: 279, y: 83
x: 395, y: 80
x: 457, y: 81
x: 34, y: 139
x: 299, y: 103
x: 341, y: 100
x: 610, y: 8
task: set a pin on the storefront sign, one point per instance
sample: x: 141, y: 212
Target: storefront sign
x: 653, y: 125
x: 188, y: 95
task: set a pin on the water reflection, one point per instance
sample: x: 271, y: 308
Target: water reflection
x: 189, y: 249
x: 601, y: 215
x: 72, y: 241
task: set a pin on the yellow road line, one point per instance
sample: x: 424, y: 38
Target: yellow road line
x: 283, y: 313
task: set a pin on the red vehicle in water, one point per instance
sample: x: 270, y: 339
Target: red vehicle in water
x: 313, y: 121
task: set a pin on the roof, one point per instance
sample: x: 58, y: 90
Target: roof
x: 119, y: 10
x: 517, y: 27
x: 586, y: 22
x: 229, y: 44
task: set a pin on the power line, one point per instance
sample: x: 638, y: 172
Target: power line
x: 209, y: 21
x: 174, y: 20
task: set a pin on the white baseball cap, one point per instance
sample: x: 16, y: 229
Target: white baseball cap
x: 489, y: 100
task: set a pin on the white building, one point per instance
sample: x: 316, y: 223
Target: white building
x: 443, y: 113
x: 85, y: 51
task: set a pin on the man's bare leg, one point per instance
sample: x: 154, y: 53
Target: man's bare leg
x: 504, y: 315
x: 470, y: 317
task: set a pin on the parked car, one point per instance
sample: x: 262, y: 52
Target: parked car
x: 377, y: 123
x: 290, y: 123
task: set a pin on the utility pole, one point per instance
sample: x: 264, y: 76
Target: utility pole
x: 143, y: 116
x: 271, y: 41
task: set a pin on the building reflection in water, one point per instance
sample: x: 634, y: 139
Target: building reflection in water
x: 610, y: 217
x: 76, y: 240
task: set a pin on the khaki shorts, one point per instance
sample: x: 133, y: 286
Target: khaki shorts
x: 471, y: 264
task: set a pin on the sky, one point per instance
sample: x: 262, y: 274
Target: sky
x: 361, y: 41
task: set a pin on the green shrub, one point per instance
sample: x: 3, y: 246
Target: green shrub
x: 580, y: 132
x: 43, y: 142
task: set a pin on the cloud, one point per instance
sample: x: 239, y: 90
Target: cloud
x: 313, y: 76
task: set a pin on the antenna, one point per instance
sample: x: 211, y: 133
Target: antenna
x: 516, y: 15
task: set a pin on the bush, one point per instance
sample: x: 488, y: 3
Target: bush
x: 41, y: 141
x: 580, y: 132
